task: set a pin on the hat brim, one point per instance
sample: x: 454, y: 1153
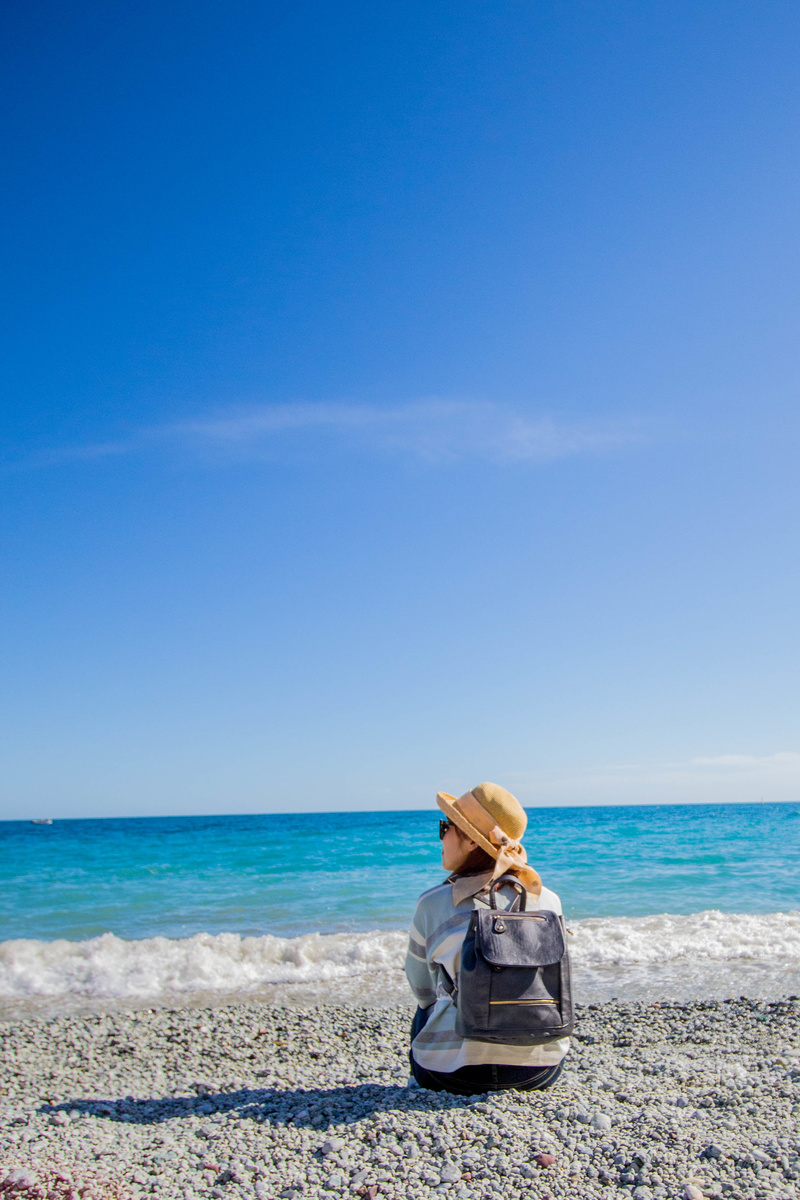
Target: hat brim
x: 447, y: 804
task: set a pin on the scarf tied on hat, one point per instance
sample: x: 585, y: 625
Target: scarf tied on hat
x: 512, y: 859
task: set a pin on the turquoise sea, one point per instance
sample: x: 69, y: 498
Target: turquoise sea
x: 330, y: 872
x: 145, y: 907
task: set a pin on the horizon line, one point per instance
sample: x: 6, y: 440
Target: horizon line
x: 390, y: 811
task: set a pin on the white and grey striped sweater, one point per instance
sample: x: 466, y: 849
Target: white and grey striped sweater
x: 433, y: 959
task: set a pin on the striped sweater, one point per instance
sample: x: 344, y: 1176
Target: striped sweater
x: 434, y: 958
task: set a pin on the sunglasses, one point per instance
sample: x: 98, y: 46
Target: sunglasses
x: 443, y: 828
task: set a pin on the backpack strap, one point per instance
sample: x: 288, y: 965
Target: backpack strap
x: 520, y: 900
x: 448, y: 984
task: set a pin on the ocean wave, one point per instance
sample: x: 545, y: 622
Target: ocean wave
x: 704, y: 937
x: 108, y: 966
x: 706, y: 954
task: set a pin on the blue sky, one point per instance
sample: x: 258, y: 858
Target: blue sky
x: 397, y: 397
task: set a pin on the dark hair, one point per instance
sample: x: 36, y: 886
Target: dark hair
x: 476, y: 863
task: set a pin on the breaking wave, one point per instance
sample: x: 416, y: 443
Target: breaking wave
x: 708, y: 954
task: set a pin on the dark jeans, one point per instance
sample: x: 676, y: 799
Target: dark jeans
x: 483, y: 1077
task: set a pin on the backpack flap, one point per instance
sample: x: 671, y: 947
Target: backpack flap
x: 520, y: 939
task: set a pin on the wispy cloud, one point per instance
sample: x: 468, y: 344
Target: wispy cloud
x: 707, y: 779
x: 781, y: 761
x: 431, y: 430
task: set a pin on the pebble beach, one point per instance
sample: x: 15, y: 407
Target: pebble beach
x: 660, y: 1100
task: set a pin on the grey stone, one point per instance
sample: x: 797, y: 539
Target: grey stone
x: 332, y: 1145
x: 601, y: 1122
x: 22, y: 1180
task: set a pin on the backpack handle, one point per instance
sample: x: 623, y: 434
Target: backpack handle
x: 520, y: 901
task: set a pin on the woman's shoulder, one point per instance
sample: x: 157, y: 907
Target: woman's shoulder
x: 435, y: 901
x: 549, y: 900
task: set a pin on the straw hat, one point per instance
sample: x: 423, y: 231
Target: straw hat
x: 495, y: 820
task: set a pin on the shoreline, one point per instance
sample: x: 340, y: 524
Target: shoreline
x: 260, y: 1101
x: 704, y: 955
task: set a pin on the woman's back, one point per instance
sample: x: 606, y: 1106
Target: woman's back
x: 433, y: 965
x: 480, y: 844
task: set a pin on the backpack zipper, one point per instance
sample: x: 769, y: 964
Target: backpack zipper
x: 515, y: 916
x: 523, y: 1002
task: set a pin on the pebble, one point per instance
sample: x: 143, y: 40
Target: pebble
x: 544, y: 1160
x: 252, y: 1102
x: 601, y: 1122
x: 23, y: 1180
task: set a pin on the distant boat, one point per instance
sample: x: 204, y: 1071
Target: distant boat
x: 42, y: 821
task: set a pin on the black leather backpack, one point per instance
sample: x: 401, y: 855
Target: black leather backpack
x: 515, y: 985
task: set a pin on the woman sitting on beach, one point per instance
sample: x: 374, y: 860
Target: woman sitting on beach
x: 480, y: 843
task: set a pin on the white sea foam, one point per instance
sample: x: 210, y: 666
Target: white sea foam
x: 703, y: 955
x: 110, y: 968
x: 709, y: 954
